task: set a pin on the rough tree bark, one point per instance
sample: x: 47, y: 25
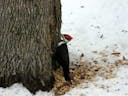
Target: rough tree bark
x: 29, y: 32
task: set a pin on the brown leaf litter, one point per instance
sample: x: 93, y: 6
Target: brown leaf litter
x: 82, y: 73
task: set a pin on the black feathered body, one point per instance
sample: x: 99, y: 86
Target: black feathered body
x: 62, y: 57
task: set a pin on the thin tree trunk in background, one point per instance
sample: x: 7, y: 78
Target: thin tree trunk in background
x: 29, y: 32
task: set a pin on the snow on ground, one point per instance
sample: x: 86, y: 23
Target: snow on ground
x: 113, y: 87
x: 99, y: 28
x: 20, y: 90
x: 96, y: 25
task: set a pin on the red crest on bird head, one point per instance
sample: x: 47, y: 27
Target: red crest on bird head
x: 68, y: 37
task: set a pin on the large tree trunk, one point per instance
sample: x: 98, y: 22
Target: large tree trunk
x: 29, y: 32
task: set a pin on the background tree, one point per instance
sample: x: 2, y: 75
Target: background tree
x: 29, y: 32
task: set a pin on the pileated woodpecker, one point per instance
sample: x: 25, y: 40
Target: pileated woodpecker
x: 61, y: 55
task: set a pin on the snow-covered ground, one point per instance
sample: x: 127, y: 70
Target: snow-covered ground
x: 99, y: 28
x: 113, y: 87
x: 96, y: 25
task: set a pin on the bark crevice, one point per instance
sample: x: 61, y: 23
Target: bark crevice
x: 27, y: 37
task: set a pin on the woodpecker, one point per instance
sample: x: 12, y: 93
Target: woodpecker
x: 61, y: 55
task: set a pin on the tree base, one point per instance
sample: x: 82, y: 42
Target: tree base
x: 32, y: 84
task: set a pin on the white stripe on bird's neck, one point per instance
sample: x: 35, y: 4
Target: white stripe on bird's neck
x: 61, y: 42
